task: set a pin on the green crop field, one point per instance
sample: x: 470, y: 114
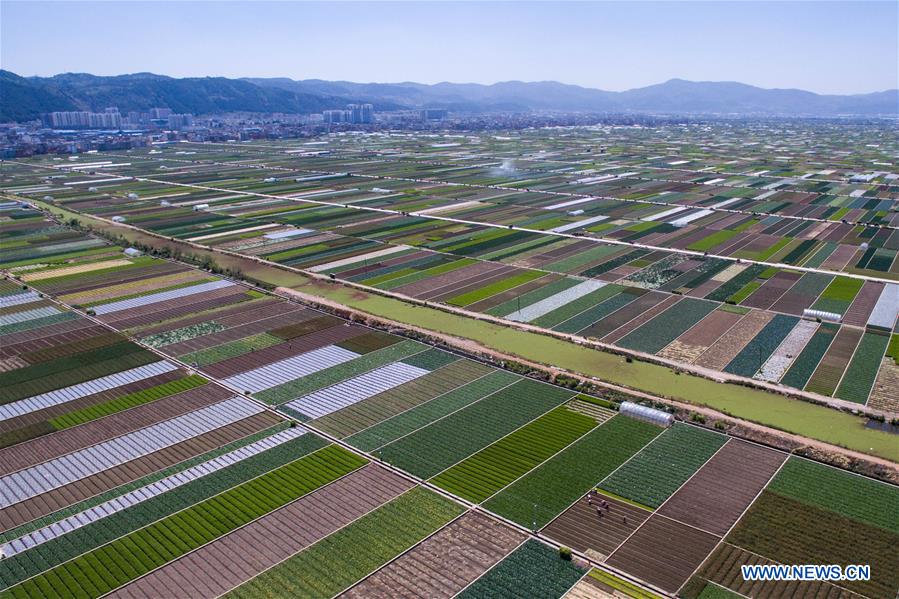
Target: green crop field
x: 663, y: 466
x: 346, y: 556
x: 546, y: 491
x: 492, y: 468
x: 532, y: 570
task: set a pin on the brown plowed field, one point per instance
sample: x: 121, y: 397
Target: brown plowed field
x: 24, y: 347
x: 863, y: 304
x: 710, y: 328
x: 477, y: 269
x: 830, y: 369
x: 715, y: 497
x: 579, y: 527
x: 772, y: 290
x: 621, y: 316
x: 729, y: 345
x: 723, y: 568
x: 25, y: 455
x: 61, y: 497
x: 445, y: 563
x: 239, y: 556
x: 663, y: 552
x: 842, y: 255
x: 47, y: 331
x: 645, y: 317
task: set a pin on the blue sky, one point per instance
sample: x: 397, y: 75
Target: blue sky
x: 827, y: 47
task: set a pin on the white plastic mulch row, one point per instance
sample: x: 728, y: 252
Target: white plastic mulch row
x: 579, y: 224
x: 333, y: 398
x: 107, y: 508
x: 27, y: 315
x: 776, y: 366
x: 724, y: 203
x: 73, y: 392
x: 146, y: 300
x: 886, y: 309
x: 362, y: 258
x: 545, y: 306
x: 69, y: 468
x: 685, y: 220
x: 664, y: 214
x: 287, y: 234
x: 289, y: 369
x: 569, y: 203
x: 18, y: 299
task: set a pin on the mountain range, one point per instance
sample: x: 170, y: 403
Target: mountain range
x: 25, y: 98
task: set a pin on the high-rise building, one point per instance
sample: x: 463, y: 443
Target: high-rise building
x: 361, y: 113
x: 160, y: 113
x: 180, y: 121
x: 84, y: 120
x: 433, y: 114
x: 335, y: 116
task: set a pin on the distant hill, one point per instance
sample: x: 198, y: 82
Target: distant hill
x: 676, y: 96
x: 24, y: 98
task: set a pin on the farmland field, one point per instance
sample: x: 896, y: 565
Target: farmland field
x: 191, y: 422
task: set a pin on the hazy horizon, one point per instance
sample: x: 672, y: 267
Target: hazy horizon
x: 612, y: 46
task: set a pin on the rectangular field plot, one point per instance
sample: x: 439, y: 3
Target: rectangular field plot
x: 663, y: 552
x: 533, y: 570
x: 588, y: 527
x: 793, y: 532
x: 225, y: 563
x: 438, y: 446
x: 445, y: 563
x: 422, y: 415
x: 664, y: 465
x: 548, y: 490
x: 724, y: 487
x: 481, y: 475
x: 348, y: 555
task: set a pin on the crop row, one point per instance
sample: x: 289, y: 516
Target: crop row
x: 664, y: 465
x: 348, y: 555
x: 532, y: 570
x: 338, y: 373
x: 429, y: 450
x: 855, y: 497
x: 372, y: 410
x: 127, y: 401
x: 56, y: 551
x: 545, y: 492
x: 129, y: 356
x: 114, y: 564
x: 406, y: 422
x: 138, y: 483
x: 481, y: 475
x: 862, y: 370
